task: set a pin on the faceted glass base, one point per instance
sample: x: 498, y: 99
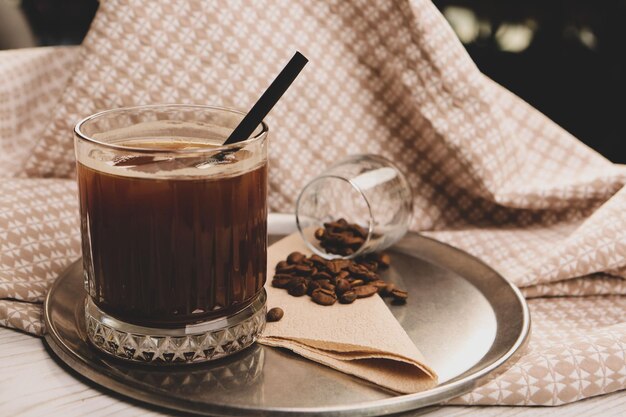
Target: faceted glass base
x: 199, y: 342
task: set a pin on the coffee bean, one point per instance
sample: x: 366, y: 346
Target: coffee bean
x: 353, y: 242
x: 364, y: 291
x: 370, y: 277
x: 386, y: 292
x: 313, y: 285
x: 327, y: 291
x: 297, y: 290
x: 281, y: 281
x: 285, y: 269
x: 323, y: 282
x: 384, y: 260
x: 399, y: 296
x: 359, y: 231
x: 303, y: 270
x: 281, y: 265
x: 289, y: 276
x: 319, y: 234
x: 358, y: 271
x: 334, y: 267
x: 324, y: 297
x: 343, y: 263
x: 322, y: 275
x: 275, y: 314
x: 372, y: 266
x: 380, y: 285
x: 398, y: 293
x: 342, y: 286
x: 329, y: 287
x: 344, y: 251
x: 357, y: 282
x: 333, y: 279
x: 332, y: 249
x: 334, y: 238
x: 296, y: 281
x: 347, y: 297
x: 343, y: 275
x: 338, y: 225
x: 295, y: 258
x: 318, y: 261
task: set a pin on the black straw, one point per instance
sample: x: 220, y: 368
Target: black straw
x: 269, y: 98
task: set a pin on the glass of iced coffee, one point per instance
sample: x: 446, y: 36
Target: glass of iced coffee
x: 174, y: 232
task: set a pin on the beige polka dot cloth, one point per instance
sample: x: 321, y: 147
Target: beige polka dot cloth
x: 491, y: 175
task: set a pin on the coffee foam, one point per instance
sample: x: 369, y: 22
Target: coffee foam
x: 194, y: 131
x: 166, y: 136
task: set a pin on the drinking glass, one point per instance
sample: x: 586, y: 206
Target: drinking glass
x: 368, y: 190
x: 174, y: 232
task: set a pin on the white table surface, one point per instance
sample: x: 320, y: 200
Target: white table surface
x: 32, y: 383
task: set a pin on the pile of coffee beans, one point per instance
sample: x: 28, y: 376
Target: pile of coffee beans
x: 329, y: 281
x: 340, y: 237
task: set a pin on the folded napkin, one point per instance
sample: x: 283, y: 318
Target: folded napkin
x: 490, y: 174
x: 362, y: 339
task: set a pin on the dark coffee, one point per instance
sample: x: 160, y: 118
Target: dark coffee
x: 171, y: 251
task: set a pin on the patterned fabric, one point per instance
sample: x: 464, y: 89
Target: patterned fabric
x: 543, y: 254
x: 21, y: 316
x: 39, y: 235
x: 576, y: 351
x: 31, y: 82
x: 490, y: 174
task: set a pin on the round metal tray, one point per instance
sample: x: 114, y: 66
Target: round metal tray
x: 466, y: 319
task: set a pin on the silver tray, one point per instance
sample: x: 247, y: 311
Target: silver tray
x: 466, y: 319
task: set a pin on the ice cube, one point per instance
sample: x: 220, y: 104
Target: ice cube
x: 132, y: 160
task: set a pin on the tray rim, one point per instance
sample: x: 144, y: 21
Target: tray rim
x: 282, y: 224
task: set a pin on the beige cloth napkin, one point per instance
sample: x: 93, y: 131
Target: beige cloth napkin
x: 362, y: 339
x: 490, y: 174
